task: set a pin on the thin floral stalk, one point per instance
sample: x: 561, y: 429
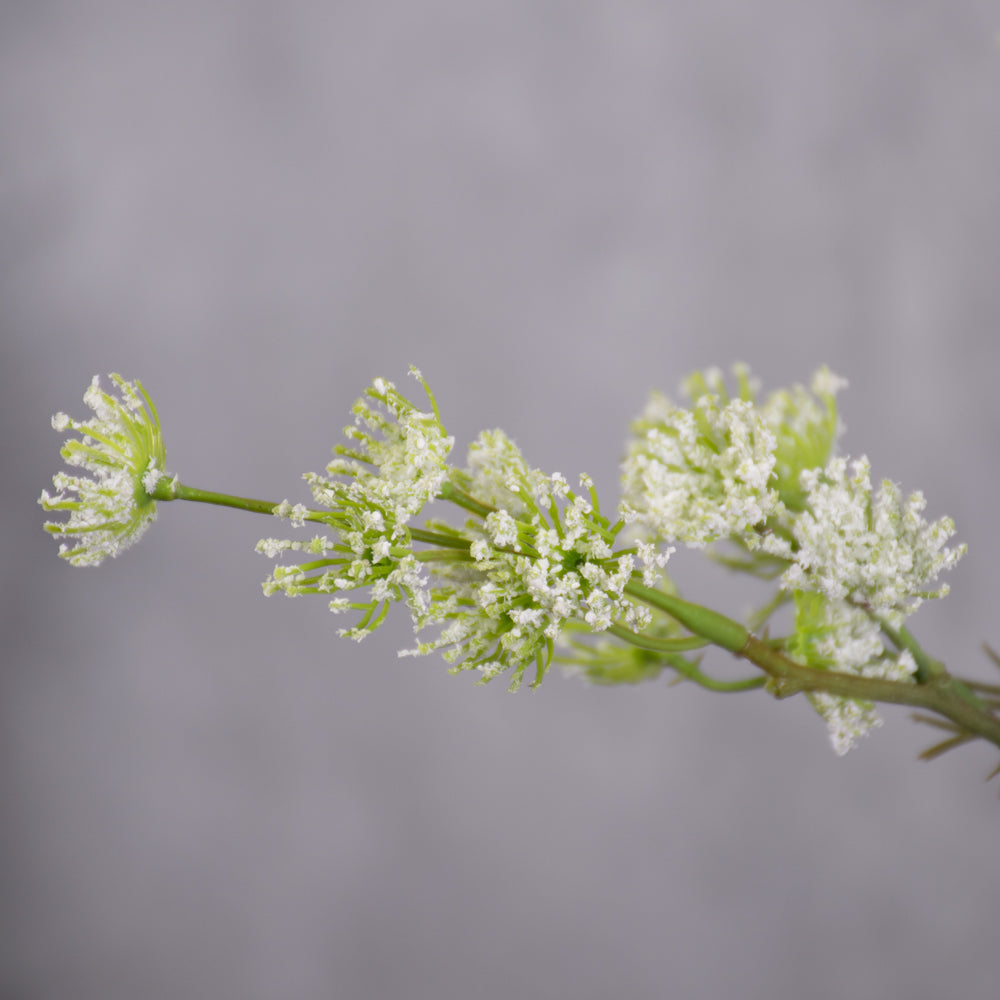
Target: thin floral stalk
x: 172, y: 490
x: 717, y: 629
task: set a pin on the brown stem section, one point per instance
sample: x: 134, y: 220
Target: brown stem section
x: 937, y: 691
x: 944, y: 695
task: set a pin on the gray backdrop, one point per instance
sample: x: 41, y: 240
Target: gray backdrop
x: 551, y: 208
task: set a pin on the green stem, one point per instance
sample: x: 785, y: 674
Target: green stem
x: 670, y: 647
x: 440, y: 539
x: 717, y: 629
x: 902, y: 639
x: 931, y: 670
x: 442, y: 555
x: 651, y: 642
x: 944, y: 695
x: 168, y: 489
x: 941, y: 693
x: 449, y: 491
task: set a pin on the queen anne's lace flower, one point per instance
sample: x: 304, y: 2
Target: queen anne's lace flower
x: 880, y: 553
x: 728, y: 468
x: 397, y: 463
x: 856, y: 560
x: 121, y: 453
x: 407, y: 448
x: 700, y: 475
x: 541, y: 558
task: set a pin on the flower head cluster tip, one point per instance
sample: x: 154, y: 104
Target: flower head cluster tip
x: 728, y: 468
x: 121, y: 456
x: 395, y: 462
x: 539, y: 559
x: 879, y: 552
x: 702, y: 474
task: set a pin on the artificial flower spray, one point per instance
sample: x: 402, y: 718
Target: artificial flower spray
x: 529, y: 571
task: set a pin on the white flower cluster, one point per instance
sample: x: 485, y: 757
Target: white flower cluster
x: 766, y: 478
x: 848, y: 720
x: 121, y: 452
x: 700, y: 475
x: 728, y: 469
x: 397, y: 463
x: 541, y: 557
x: 410, y: 456
x: 880, y: 553
x: 840, y: 636
x: 858, y: 559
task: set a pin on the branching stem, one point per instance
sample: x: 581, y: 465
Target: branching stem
x: 939, y: 692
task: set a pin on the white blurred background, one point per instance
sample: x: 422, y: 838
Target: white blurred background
x: 551, y: 208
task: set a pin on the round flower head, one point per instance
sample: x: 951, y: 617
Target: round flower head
x: 539, y: 561
x: 877, y: 551
x: 701, y: 475
x: 121, y: 454
x: 395, y: 463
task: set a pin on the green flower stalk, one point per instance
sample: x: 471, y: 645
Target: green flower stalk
x: 533, y: 572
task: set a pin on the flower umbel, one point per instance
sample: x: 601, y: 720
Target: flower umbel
x: 540, y: 558
x: 705, y: 474
x: 877, y: 552
x: 122, y: 457
x: 396, y: 464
